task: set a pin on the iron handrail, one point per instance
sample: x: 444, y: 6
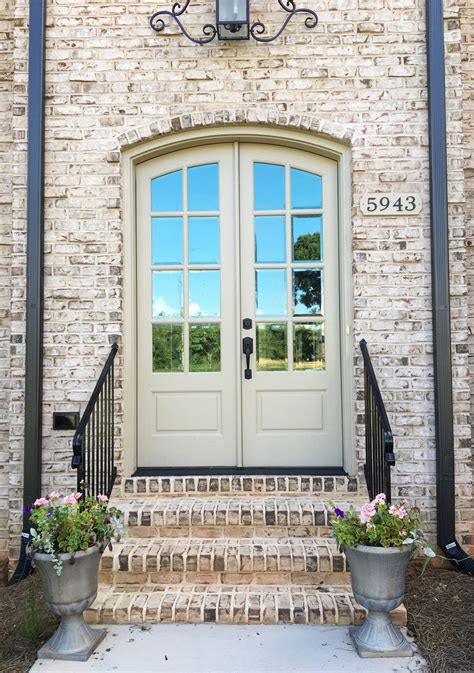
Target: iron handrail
x: 93, y: 442
x: 379, y: 453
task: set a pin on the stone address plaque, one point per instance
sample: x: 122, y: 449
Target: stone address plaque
x: 390, y: 204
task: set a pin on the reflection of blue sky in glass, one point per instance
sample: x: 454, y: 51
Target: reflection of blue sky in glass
x: 271, y: 292
x: 269, y: 186
x: 203, y: 187
x: 167, y: 240
x: 306, y: 189
x: 307, y: 239
x: 203, y: 234
x: 167, y: 192
x: 270, y: 238
x: 307, y: 291
x: 167, y: 294
x: 204, y: 294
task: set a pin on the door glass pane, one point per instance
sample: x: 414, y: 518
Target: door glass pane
x: 167, y: 192
x: 307, y: 292
x: 307, y: 238
x: 203, y: 235
x: 306, y: 189
x: 203, y: 188
x: 270, y: 238
x: 271, y: 292
x: 269, y: 186
x: 167, y: 348
x: 204, y: 294
x: 271, y: 347
x: 167, y: 240
x: 308, y: 346
x: 167, y: 294
x: 204, y: 348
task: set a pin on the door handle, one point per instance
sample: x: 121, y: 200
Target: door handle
x: 247, y: 347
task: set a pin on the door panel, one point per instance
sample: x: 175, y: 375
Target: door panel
x: 291, y: 407
x: 186, y: 310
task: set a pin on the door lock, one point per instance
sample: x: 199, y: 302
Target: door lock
x: 247, y: 323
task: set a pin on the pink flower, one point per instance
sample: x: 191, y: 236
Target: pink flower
x: 39, y: 502
x: 401, y: 513
x: 392, y: 509
x: 69, y: 499
x: 78, y: 495
x: 54, y: 494
x: 102, y: 498
x: 367, y: 512
x: 370, y: 525
x: 379, y: 499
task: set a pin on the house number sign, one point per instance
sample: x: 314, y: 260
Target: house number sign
x: 390, y: 204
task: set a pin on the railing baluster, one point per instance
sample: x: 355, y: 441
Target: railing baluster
x: 93, y: 443
x: 379, y: 455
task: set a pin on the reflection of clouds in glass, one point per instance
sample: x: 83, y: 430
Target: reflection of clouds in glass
x: 195, y: 310
x: 161, y: 309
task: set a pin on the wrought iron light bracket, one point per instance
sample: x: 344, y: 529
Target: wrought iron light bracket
x: 229, y: 30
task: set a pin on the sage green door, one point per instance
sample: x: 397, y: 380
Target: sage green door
x: 238, y: 242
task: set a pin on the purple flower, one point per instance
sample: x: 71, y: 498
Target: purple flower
x: 339, y: 513
x: 27, y: 510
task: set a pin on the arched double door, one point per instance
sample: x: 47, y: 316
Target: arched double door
x: 238, y: 327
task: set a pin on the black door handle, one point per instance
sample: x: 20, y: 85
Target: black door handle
x: 247, y: 344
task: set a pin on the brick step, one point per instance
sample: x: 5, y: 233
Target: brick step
x: 239, y: 484
x: 234, y: 517
x: 304, y: 561
x: 228, y: 605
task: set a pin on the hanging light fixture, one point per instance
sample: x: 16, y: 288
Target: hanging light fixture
x: 232, y: 21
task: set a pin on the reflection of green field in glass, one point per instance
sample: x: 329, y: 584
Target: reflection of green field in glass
x: 271, y: 347
x: 167, y: 348
x: 309, y: 347
x: 204, y: 348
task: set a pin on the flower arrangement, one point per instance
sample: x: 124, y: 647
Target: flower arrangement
x: 71, y: 523
x: 378, y: 524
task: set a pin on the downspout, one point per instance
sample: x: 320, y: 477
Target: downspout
x: 446, y: 524
x: 34, y: 276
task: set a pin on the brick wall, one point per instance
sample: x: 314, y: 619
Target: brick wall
x: 467, y: 26
x: 363, y: 70
x: 6, y: 89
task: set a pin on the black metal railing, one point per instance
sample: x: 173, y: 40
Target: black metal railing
x: 379, y: 455
x: 93, y: 443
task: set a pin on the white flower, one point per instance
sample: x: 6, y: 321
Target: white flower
x: 427, y: 551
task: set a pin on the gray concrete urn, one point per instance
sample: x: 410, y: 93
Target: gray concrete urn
x: 68, y: 595
x: 378, y: 583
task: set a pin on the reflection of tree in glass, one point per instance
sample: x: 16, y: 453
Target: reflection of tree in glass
x: 307, y: 283
x: 167, y: 348
x: 308, y: 248
x: 204, y: 348
x: 271, y: 347
x: 309, y: 347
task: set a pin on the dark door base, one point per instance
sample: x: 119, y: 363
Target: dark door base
x: 210, y: 471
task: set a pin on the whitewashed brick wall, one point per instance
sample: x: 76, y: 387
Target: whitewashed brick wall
x: 6, y: 90
x: 363, y: 71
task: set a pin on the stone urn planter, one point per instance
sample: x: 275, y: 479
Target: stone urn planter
x: 68, y: 595
x: 378, y: 583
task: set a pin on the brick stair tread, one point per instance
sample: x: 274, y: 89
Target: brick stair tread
x: 215, y: 485
x: 228, y: 604
x: 229, y: 555
x: 233, y: 510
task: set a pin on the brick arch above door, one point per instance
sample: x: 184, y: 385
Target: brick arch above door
x: 235, y: 116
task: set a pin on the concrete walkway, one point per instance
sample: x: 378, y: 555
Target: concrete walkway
x: 210, y: 648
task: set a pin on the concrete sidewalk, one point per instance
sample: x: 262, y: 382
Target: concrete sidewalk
x: 210, y: 648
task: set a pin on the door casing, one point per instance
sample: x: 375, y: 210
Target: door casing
x: 282, y: 137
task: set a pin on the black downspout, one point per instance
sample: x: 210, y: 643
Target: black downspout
x: 34, y: 275
x: 446, y: 524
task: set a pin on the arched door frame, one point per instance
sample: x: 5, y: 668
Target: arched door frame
x: 283, y: 137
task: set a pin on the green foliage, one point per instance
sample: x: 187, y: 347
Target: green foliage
x: 378, y: 524
x: 70, y: 524
x: 35, y: 622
